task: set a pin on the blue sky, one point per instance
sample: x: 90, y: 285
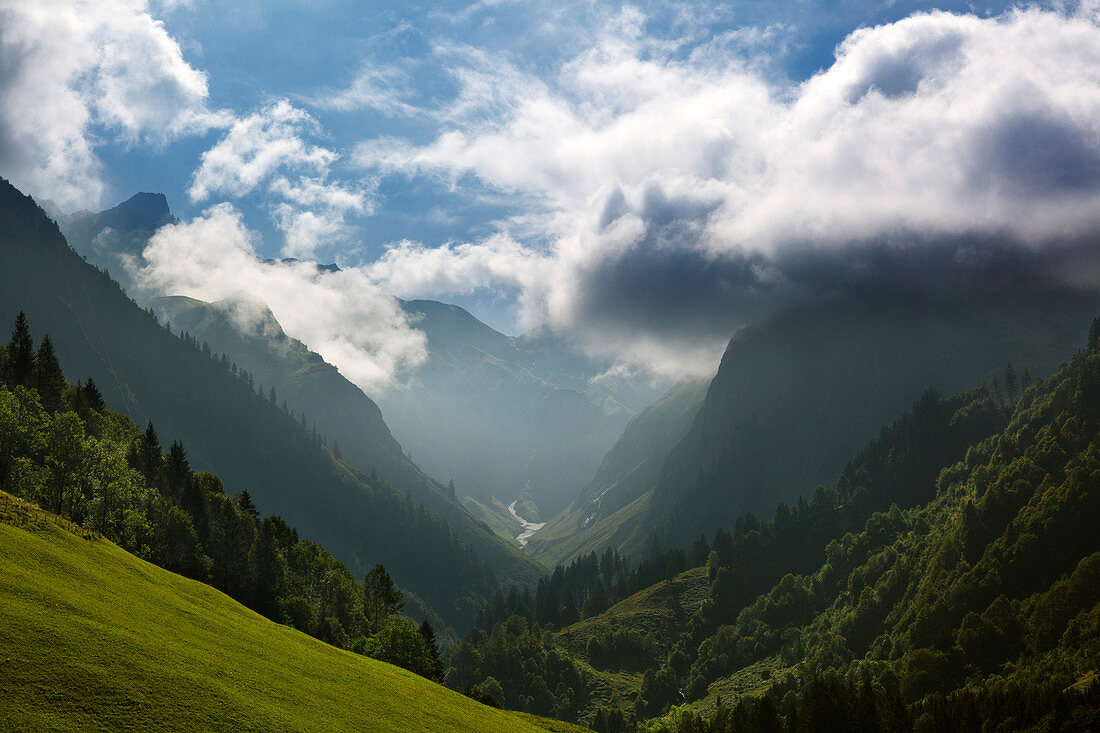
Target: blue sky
x: 641, y: 178
x: 255, y: 52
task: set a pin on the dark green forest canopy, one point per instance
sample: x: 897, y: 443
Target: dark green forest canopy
x: 946, y: 582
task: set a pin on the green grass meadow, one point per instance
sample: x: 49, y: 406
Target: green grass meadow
x: 95, y: 639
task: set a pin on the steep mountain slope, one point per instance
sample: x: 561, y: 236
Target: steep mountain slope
x: 948, y: 582
x: 611, y: 508
x: 248, y: 332
x: 96, y: 639
x: 981, y: 607
x: 498, y: 414
x: 795, y: 398
x: 150, y: 374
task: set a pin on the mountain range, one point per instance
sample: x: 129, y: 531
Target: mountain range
x: 879, y: 514
x: 497, y: 415
x: 206, y: 401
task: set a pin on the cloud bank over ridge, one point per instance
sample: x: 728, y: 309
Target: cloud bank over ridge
x: 342, y: 315
x: 687, y: 196
x: 648, y: 194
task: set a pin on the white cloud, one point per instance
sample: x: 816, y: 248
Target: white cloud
x: 412, y: 269
x: 381, y: 88
x: 76, y: 71
x: 269, y: 150
x: 680, y: 189
x: 255, y: 148
x: 341, y: 315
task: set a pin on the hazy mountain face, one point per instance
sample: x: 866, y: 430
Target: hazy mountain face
x: 500, y: 414
x: 497, y: 414
x: 794, y: 399
x: 315, y: 389
x: 613, y: 506
x: 109, y: 239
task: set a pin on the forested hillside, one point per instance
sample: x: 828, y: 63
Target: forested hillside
x: 61, y: 448
x: 978, y: 608
x: 205, y: 402
x: 945, y: 583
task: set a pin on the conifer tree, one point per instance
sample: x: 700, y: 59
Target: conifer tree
x: 177, y: 470
x: 196, y: 502
x: 146, y: 456
x: 381, y: 598
x: 49, y: 378
x: 20, y: 353
x: 569, y: 613
x: 244, y: 501
x: 92, y: 397
x: 428, y: 633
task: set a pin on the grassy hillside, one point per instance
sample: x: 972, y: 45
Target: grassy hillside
x: 615, y: 648
x: 660, y: 609
x: 559, y: 541
x: 95, y: 639
x: 495, y: 516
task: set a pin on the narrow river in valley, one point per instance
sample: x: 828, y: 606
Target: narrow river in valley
x: 529, y: 528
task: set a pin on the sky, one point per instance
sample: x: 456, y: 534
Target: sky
x: 640, y: 179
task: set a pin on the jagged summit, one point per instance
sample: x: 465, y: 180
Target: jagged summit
x: 142, y: 210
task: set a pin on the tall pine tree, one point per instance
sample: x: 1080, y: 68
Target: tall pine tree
x: 145, y: 456
x: 49, y: 378
x: 20, y: 366
x: 428, y: 633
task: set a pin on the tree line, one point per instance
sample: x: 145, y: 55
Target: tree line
x: 61, y: 447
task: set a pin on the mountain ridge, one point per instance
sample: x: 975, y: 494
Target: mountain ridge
x: 149, y: 373
x: 795, y: 397
x: 343, y: 412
